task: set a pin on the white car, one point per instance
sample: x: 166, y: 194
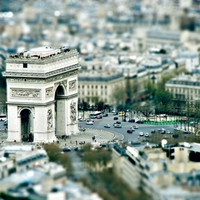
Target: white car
x: 135, y: 127
x: 146, y: 135
x: 141, y: 134
x: 89, y: 122
x: 117, y: 125
x: 107, y: 125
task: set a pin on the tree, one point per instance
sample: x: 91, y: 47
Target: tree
x: 146, y: 109
x: 150, y: 87
x: 119, y: 95
x: 54, y: 154
x: 163, y: 101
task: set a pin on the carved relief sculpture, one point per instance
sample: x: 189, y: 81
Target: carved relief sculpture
x: 49, y: 92
x: 49, y: 119
x: 73, y: 111
x: 72, y: 85
x: 27, y: 93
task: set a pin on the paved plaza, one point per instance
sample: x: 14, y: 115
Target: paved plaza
x: 101, y: 136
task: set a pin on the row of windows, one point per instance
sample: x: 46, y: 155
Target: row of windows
x: 88, y: 99
x: 183, y: 90
x: 93, y: 67
x: 93, y: 93
x: 92, y: 86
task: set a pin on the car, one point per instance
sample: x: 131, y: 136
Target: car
x: 81, y: 119
x: 115, y: 112
x: 115, y: 118
x: 117, y: 122
x: 77, y: 148
x: 139, y: 122
x: 146, y: 135
x: 130, y: 130
x: 107, y: 125
x: 135, y: 127
x: 82, y: 129
x: 99, y: 116
x: 117, y: 125
x: 105, y: 115
x: 168, y: 132
x: 153, y: 131
x: 89, y: 122
x: 141, y: 134
x: 66, y: 149
x: 5, y: 123
x: 131, y: 120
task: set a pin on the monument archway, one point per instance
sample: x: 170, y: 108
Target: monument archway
x: 26, y: 125
x: 42, y: 94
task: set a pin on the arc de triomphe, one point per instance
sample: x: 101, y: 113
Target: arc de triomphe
x: 42, y: 94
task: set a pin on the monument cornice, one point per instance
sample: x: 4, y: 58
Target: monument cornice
x: 67, y: 69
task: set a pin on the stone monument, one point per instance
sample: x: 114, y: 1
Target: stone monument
x: 42, y: 94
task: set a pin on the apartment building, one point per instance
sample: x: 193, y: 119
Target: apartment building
x: 170, y: 172
x: 97, y: 86
x: 184, y: 87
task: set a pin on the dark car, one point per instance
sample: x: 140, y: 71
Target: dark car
x: 131, y: 120
x: 66, y: 149
x: 139, y: 122
x: 115, y: 118
x: 130, y: 130
x: 117, y: 122
x: 77, y: 148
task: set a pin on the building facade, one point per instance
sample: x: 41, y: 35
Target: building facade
x: 95, y: 87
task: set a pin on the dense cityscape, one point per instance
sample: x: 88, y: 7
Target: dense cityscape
x: 100, y: 99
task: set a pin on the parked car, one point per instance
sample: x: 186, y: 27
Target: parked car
x: 105, y: 115
x: 107, y: 125
x: 141, y: 134
x: 131, y: 120
x: 115, y: 118
x: 139, y: 122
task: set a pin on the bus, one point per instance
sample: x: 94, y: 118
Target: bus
x: 94, y: 115
x: 3, y: 117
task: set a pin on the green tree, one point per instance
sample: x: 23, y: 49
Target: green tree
x: 150, y: 87
x: 163, y: 101
x: 119, y: 95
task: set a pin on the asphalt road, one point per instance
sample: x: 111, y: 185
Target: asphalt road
x: 121, y: 133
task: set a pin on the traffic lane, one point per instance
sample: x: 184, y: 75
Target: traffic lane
x: 146, y: 128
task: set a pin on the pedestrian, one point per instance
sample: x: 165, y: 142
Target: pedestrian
x: 76, y: 142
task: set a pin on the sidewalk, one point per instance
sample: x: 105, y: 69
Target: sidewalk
x: 101, y: 136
